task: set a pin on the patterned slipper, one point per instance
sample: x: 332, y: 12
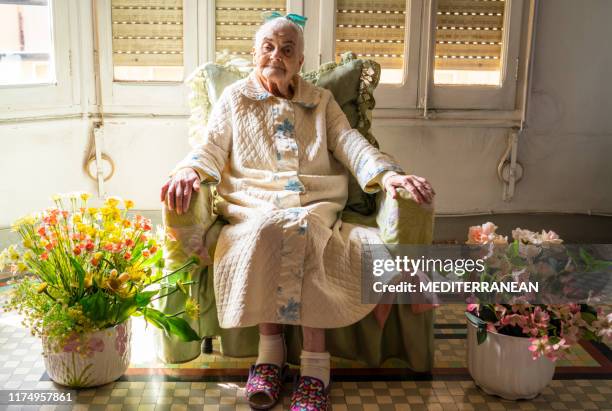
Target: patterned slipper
x: 264, y: 385
x: 310, y: 395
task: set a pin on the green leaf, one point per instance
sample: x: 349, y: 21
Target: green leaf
x: 586, y: 257
x: 481, y: 335
x: 474, y: 319
x: 137, y: 251
x: 144, y: 298
x: 182, y: 329
x: 171, y: 325
x: 588, y: 317
x: 152, y: 260
x: 156, y: 318
x: 78, y: 269
x: 96, y: 306
x: 590, y: 335
x: 124, y: 310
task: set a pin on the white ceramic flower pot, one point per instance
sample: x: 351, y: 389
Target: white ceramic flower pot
x: 91, y: 359
x: 502, y: 365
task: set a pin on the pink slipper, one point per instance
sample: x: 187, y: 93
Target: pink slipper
x: 264, y: 385
x: 310, y: 395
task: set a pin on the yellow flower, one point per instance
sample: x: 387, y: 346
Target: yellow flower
x: 128, y: 204
x: 92, y: 211
x: 21, y: 267
x: 181, y: 286
x: 88, y: 280
x: 29, y: 255
x: 23, y: 221
x: 85, y: 196
x: 192, y: 309
x: 135, y: 274
x: 13, y: 253
x: 77, y: 219
x: 41, y: 288
x: 112, y: 202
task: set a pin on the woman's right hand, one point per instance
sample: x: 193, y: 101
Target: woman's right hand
x: 178, y: 189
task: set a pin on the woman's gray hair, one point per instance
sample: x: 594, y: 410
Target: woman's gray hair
x: 280, y: 23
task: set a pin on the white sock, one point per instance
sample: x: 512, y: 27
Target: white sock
x: 271, y: 350
x: 315, y: 364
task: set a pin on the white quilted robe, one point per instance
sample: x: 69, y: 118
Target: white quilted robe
x: 281, y: 165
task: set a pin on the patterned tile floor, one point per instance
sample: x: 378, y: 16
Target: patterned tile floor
x: 583, y: 380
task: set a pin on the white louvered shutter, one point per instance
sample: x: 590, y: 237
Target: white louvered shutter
x: 147, y: 39
x: 373, y: 30
x: 468, y: 47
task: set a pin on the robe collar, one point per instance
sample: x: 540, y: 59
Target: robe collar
x: 305, y: 94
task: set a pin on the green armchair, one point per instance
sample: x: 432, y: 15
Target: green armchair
x: 406, y: 334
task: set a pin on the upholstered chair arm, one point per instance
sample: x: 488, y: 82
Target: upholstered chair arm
x: 403, y: 221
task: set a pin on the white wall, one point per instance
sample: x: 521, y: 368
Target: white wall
x: 565, y: 149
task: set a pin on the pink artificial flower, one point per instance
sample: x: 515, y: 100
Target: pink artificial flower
x: 514, y: 320
x: 539, y: 347
x: 473, y: 308
x: 481, y: 234
x: 549, y: 238
x: 605, y: 326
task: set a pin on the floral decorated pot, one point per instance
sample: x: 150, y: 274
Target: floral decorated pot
x: 92, y: 359
x: 503, y: 365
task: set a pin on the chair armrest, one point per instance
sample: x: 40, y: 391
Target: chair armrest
x: 403, y: 221
x: 186, y: 231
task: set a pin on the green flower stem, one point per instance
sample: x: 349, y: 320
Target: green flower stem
x: 176, y: 315
x: 187, y: 264
x: 159, y: 297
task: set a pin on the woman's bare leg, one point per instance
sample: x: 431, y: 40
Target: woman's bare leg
x: 315, y: 361
x: 270, y: 328
x: 314, y: 339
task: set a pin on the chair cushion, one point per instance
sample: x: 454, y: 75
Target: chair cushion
x: 352, y: 82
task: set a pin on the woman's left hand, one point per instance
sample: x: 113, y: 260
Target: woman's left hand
x: 418, y: 187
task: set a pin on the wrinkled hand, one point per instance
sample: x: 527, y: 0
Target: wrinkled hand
x: 178, y: 189
x: 418, y: 187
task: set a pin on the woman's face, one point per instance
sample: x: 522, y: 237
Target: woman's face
x: 277, y: 57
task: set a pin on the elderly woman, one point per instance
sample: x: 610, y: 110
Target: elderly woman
x: 279, y: 149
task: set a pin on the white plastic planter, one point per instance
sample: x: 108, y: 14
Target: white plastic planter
x: 502, y: 365
x: 91, y: 359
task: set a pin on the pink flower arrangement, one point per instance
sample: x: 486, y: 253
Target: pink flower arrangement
x: 552, y: 329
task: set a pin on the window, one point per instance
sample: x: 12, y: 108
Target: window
x: 37, y: 74
x: 26, y: 43
x: 468, y: 74
x: 438, y: 54
x: 373, y: 30
x: 146, y: 49
x: 147, y: 40
x: 469, y: 36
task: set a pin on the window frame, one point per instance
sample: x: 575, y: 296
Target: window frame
x: 388, y: 95
x: 146, y: 97
x: 418, y: 92
x: 469, y: 97
x: 61, y: 97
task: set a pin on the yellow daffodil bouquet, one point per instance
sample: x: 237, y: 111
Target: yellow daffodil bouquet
x: 80, y: 269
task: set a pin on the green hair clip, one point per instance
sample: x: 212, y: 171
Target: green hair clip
x: 296, y: 18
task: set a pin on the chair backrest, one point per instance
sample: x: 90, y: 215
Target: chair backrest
x: 352, y: 82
